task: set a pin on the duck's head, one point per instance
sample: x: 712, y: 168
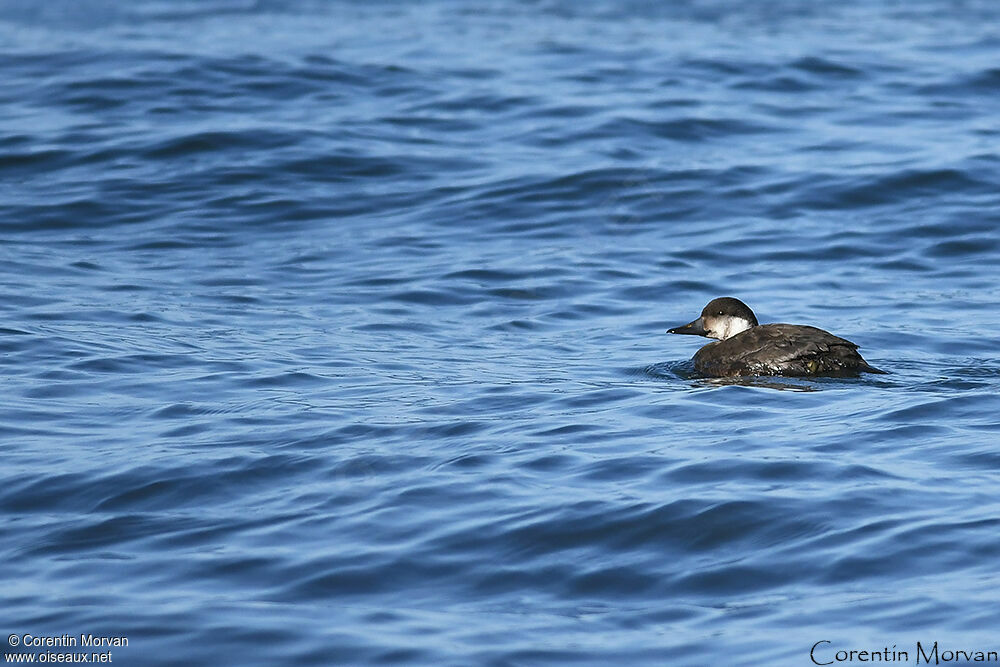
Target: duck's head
x: 722, y: 318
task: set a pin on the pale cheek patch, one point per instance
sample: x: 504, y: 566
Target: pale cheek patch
x: 733, y: 326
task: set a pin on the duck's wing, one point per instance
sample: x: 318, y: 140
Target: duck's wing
x: 786, y: 349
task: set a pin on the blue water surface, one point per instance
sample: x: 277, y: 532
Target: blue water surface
x: 333, y: 332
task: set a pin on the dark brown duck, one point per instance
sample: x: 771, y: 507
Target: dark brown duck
x: 747, y: 348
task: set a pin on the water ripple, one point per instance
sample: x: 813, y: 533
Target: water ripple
x: 335, y: 333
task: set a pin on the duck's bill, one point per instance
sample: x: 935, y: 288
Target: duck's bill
x: 696, y: 328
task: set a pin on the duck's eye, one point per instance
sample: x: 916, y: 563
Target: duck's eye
x: 719, y: 313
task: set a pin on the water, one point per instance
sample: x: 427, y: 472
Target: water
x: 333, y: 333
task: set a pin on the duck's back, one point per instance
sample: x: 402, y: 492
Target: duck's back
x: 781, y: 349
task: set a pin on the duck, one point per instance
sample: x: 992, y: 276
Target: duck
x: 745, y: 348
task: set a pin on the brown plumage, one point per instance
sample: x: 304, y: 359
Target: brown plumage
x: 781, y: 349
x: 748, y: 348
